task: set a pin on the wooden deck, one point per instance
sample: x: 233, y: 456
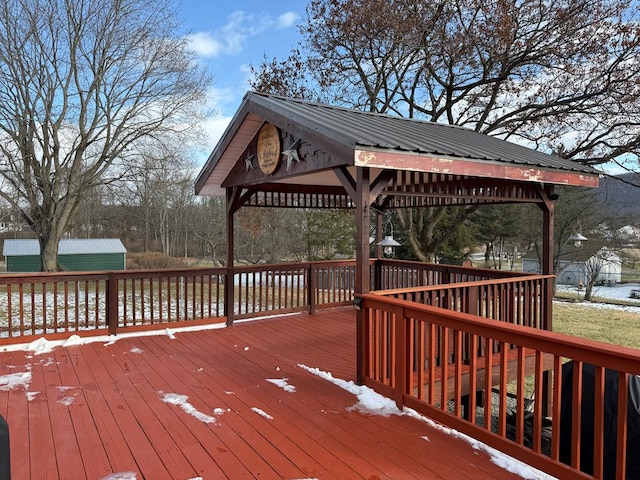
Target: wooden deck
x: 98, y: 410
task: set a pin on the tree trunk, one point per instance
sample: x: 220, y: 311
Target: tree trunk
x: 488, y: 253
x: 49, y: 254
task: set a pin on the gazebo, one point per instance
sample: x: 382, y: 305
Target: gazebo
x: 426, y: 335
x: 288, y: 153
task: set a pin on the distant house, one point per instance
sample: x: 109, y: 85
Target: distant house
x: 576, y: 265
x: 23, y: 255
x: 629, y: 235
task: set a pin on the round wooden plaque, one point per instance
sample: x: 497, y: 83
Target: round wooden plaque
x: 269, y: 148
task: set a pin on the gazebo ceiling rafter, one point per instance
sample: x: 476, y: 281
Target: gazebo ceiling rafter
x: 446, y: 191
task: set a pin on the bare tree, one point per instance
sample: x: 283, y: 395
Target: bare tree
x: 558, y: 76
x: 207, y: 224
x: 158, y: 192
x: 81, y: 83
x: 596, y: 269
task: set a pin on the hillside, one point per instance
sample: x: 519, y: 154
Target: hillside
x: 621, y: 198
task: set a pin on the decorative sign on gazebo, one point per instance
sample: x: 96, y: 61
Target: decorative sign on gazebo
x: 269, y: 148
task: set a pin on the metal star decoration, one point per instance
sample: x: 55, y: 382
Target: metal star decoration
x: 248, y: 162
x: 292, y: 153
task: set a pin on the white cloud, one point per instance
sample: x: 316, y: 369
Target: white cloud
x: 233, y: 36
x: 214, y: 128
x: 204, y: 45
x: 218, y: 98
x: 288, y: 19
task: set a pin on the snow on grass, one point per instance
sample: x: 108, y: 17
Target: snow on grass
x: 373, y: 403
x: 283, y: 384
x: 181, y: 401
x: 617, y: 292
x: 262, y: 413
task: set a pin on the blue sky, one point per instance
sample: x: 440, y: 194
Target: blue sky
x: 229, y: 36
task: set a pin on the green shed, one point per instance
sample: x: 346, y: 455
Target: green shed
x: 90, y: 254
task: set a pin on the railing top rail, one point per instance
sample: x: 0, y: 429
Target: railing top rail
x: 615, y: 357
x: 46, y: 277
x: 292, y: 265
x: 456, y: 268
x: 43, y: 277
x: 445, y: 286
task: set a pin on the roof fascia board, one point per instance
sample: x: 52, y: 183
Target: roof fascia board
x: 467, y: 167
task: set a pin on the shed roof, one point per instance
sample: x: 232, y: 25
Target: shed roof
x: 366, y: 134
x: 72, y: 246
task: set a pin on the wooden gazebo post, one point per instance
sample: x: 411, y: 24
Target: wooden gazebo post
x: 547, y: 250
x: 547, y: 208
x: 362, y: 274
x: 232, y: 205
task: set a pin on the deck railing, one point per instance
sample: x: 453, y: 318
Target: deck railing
x: 517, y: 299
x: 431, y: 341
x: 413, y: 353
x: 60, y: 304
x: 70, y: 302
x: 394, y: 274
x: 65, y: 303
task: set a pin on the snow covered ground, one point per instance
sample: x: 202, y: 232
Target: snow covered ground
x: 620, y: 292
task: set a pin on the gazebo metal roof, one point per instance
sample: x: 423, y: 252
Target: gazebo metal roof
x: 353, y: 138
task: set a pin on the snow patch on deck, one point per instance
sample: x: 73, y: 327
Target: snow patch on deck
x: 181, y: 401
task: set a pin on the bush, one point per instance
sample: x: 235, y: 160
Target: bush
x: 151, y: 260
x: 635, y: 294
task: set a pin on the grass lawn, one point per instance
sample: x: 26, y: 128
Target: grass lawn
x: 604, y: 325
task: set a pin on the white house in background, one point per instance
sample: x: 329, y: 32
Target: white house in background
x: 629, y: 234
x: 576, y: 265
